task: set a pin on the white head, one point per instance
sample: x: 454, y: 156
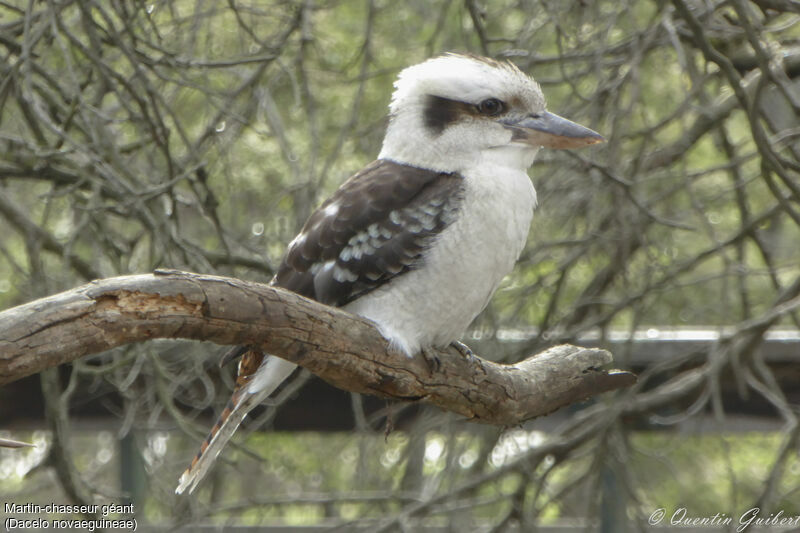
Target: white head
x: 451, y: 111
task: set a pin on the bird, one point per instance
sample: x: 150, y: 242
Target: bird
x: 420, y: 239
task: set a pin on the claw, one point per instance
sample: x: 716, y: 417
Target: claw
x: 465, y: 351
x: 434, y: 364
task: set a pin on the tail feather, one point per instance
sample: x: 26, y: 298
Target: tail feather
x: 270, y: 374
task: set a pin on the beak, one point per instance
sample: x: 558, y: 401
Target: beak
x: 550, y: 130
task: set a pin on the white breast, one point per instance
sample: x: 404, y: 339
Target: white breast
x: 434, y: 305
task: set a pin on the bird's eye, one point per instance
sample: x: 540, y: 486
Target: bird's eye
x: 491, y: 107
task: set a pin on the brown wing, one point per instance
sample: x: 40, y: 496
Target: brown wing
x: 374, y: 228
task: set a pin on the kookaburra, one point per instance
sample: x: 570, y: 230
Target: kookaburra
x: 419, y: 240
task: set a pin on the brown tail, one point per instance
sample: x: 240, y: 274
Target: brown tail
x: 248, y: 394
x: 223, y: 430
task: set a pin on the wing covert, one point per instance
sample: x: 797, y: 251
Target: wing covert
x: 373, y: 228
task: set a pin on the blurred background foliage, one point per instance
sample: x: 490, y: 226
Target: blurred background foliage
x: 199, y: 135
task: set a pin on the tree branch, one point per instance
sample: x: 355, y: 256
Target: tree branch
x: 344, y: 350
x: 9, y: 443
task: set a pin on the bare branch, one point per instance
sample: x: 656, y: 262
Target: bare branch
x: 10, y: 443
x: 345, y: 350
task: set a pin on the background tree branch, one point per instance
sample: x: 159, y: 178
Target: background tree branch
x: 343, y: 349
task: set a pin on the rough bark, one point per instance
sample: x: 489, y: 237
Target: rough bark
x: 345, y: 350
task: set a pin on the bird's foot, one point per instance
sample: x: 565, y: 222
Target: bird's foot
x: 433, y: 361
x: 465, y: 351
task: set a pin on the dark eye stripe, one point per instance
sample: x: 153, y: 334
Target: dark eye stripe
x: 440, y: 112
